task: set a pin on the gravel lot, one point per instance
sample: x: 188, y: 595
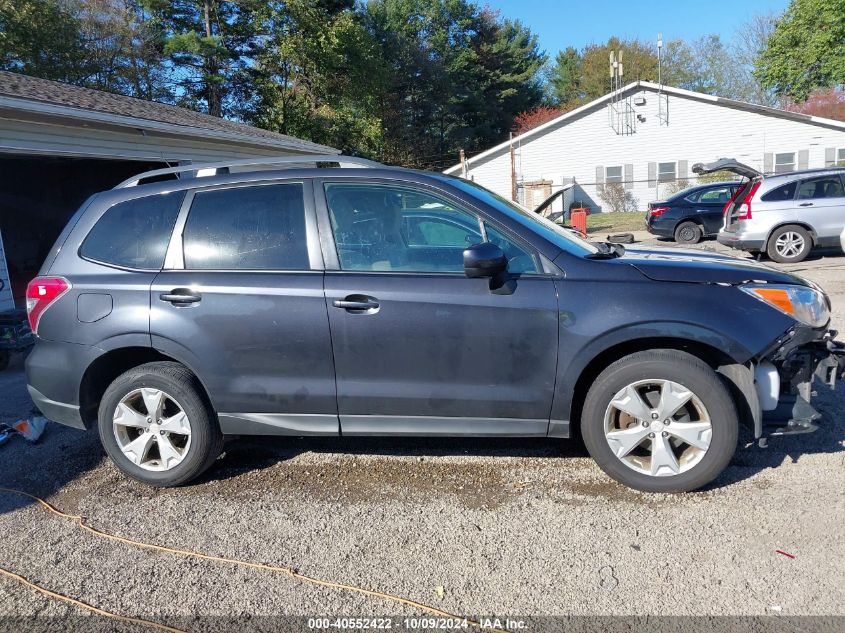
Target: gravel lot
x: 476, y: 527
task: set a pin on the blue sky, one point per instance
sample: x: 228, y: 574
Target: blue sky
x: 565, y: 23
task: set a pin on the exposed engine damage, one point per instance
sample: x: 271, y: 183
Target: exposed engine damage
x: 778, y: 385
x: 823, y: 359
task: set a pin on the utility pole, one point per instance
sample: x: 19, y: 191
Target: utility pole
x: 513, y: 171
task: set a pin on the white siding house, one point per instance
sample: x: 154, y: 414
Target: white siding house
x: 647, y: 137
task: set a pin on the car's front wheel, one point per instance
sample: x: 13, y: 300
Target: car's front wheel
x: 660, y: 421
x: 156, y: 426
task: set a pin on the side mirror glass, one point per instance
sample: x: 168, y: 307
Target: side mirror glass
x: 484, y: 260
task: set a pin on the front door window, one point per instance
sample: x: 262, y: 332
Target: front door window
x: 391, y: 228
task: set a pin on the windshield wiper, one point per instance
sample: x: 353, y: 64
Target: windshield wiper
x: 607, y: 250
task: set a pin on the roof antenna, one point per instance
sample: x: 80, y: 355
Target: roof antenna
x: 659, y: 69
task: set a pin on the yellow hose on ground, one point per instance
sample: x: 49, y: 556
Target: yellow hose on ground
x: 290, y: 571
x: 85, y: 605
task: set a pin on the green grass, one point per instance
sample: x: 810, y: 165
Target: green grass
x: 616, y: 222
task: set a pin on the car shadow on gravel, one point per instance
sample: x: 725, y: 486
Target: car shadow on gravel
x: 246, y: 454
x: 61, y: 456
x: 360, y: 470
x: 45, y: 468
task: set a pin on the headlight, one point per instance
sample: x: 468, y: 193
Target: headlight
x: 807, y: 305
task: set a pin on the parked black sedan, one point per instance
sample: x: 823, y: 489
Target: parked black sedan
x: 692, y: 213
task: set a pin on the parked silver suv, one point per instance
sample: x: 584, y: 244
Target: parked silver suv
x: 783, y: 215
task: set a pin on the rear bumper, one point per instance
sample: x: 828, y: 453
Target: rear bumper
x: 736, y: 240
x: 660, y: 227
x: 54, y: 373
x: 61, y: 412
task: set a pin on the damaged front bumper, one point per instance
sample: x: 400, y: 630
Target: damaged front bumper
x: 784, y: 377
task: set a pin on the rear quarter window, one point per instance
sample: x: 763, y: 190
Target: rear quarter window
x: 134, y: 233
x: 779, y: 194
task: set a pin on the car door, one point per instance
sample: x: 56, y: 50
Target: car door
x: 419, y: 348
x: 821, y: 204
x: 240, y: 301
x: 710, y: 204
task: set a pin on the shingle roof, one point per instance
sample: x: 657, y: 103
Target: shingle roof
x: 60, y: 94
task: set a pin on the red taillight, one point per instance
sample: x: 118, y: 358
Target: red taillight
x: 658, y: 211
x: 40, y: 295
x: 744, y: 211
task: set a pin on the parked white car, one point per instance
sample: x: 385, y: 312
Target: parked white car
x: 783, y: 215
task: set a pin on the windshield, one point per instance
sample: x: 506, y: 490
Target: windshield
x: 566, y: 239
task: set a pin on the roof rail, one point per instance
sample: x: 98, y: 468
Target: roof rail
x: 212, y: 169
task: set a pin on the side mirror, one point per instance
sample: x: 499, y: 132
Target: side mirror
x: 484, y: 260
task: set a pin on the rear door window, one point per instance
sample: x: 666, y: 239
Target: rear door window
x: 782, y: 193
x: 821, y: 187
x: 134, y: 233
x: 717, y: 196
x: 247, y: 228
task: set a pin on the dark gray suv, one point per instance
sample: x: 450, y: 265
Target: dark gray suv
x: 192, y: 303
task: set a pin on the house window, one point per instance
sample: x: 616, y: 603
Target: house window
x: 837, y: 159
x: 613, y: 174
x: 784, y: 162
x: 666, y: 172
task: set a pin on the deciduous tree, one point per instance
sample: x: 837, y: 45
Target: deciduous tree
x: 42, y: 38
x: 806, y: 50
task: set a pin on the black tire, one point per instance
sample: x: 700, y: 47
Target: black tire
x: 621, y: 238
x: 4, y: 359
x: 775, y: 250
x: 688, y: 233
x: 681, y: 368
x: 174, y: 379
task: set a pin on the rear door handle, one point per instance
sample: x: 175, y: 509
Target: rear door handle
x: 181, y: 295
x: 356, y: 302
x: 806, y: 204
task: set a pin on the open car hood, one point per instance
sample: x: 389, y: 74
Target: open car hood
x: 694, y: 266
x: 726, y: 164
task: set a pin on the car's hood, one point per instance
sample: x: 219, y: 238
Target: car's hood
x: 695, y: 266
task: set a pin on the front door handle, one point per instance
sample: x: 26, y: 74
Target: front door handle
x: 806, y: 204
x: 357, y: 302
x: 181, y: 296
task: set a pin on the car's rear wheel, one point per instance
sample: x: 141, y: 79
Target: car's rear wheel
x: 156, y: 426
x: 660, y: 421
x: 688, y: 233
x: 789, y: 244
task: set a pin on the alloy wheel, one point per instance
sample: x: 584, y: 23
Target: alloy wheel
x: 152, y: 429
x: 789, y: 244
x: 658, y: 427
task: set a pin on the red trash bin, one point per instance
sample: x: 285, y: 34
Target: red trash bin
x: 578, y: 219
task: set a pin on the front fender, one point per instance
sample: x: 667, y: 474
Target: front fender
x: 638, y: 336
x: 603, y: 321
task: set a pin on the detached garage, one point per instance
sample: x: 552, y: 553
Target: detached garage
x: 61, y: 143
